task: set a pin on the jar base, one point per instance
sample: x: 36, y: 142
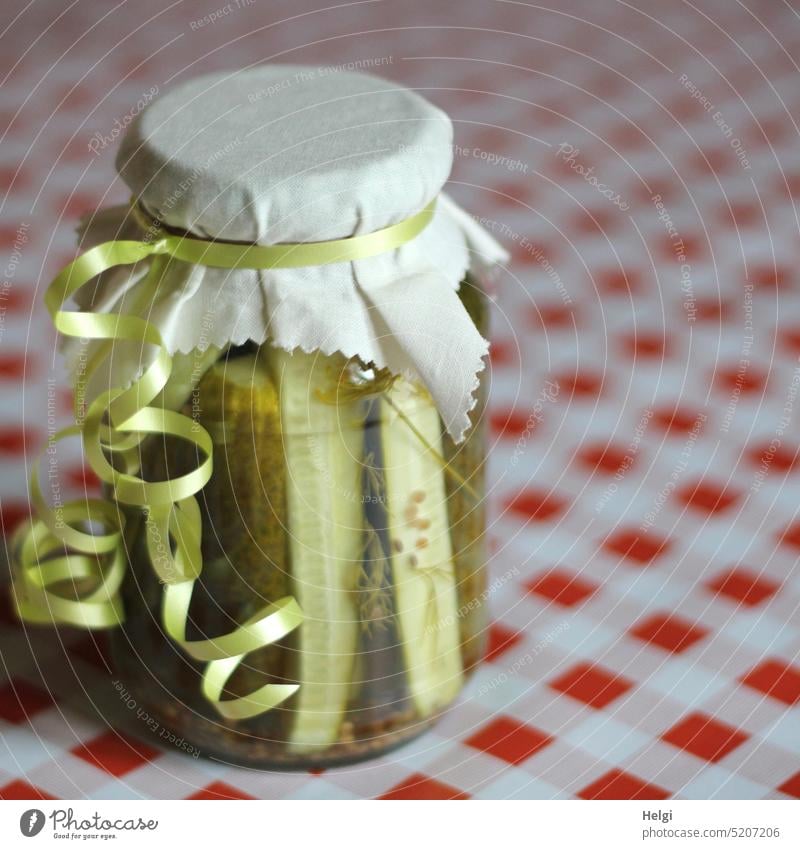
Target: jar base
x: 185, y: 728
x: 356, y: 753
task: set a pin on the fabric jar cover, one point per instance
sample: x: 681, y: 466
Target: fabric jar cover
x: 286, y: 153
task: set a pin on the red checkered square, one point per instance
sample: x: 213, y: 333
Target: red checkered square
x: 220, y: 790
x: 770, y: 277
x: 777, y: 679
x: 606, y: 459
x: 509, y: 740
x: 741, y: 215
x: 645, y: 346
x: 791, y: 787
x: 513, y: 194
x: 617, y: 784
x: 790, y: 338
x: 617, y: 281
x: 552, y: 316
x: 12, y: 366
x: 419, y: 786
x: 707, y: 497
x: 12, y: 514
x: 535, y: 505
x: 712, y: 310
x: 16, y: 300
x: 741, y: 380
x: 13, y: 440
x: 675, y: 420
x: 512, y: 423
x: 669, y: 632
x: 791, y: 536
x: 116, y: 754
x: 635, y: 547
x: 20, y: 700
x: 743, y: 586
x: 780, y: 459
x: 82, y: 478
x: 501, y: 639
x: 591, y: 222
x: 561, y: 587
x: 693, y: 247
x: 580, y: 385
x: 705, y: 737
x: 503, y: 353
x: 20, y: 790
x: 591, y: 684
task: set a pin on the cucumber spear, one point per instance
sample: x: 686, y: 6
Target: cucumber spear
x: 322, y: 449
x: 422, y: 553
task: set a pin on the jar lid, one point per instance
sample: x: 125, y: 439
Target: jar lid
x: 283, y: 153
x: 280, y: 153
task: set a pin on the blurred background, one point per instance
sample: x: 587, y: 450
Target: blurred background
x: 641, y: 163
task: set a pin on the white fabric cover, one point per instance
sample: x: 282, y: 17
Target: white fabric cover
x: 282, y: 153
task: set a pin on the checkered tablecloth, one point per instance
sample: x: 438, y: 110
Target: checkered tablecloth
x: 642, y: 164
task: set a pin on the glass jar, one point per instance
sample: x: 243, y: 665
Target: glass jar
x: 338, y: 485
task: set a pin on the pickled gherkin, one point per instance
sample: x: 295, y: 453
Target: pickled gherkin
x: 423, y: 570
x: 245, y: 556
x: 244, y: 544
x: 322, y: 451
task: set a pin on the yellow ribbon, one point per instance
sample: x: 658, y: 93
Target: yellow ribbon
x: 63, y: 573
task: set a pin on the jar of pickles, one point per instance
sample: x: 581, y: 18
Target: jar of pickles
x: 288, y: 417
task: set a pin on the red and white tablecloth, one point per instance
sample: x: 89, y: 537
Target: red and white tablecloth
x: 642, y: 164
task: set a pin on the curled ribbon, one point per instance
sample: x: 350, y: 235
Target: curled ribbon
x: 64, y: 574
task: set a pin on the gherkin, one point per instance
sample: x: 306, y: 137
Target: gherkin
x: 322, y: 450
x: 245, y: 557
x: 423, y: 569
